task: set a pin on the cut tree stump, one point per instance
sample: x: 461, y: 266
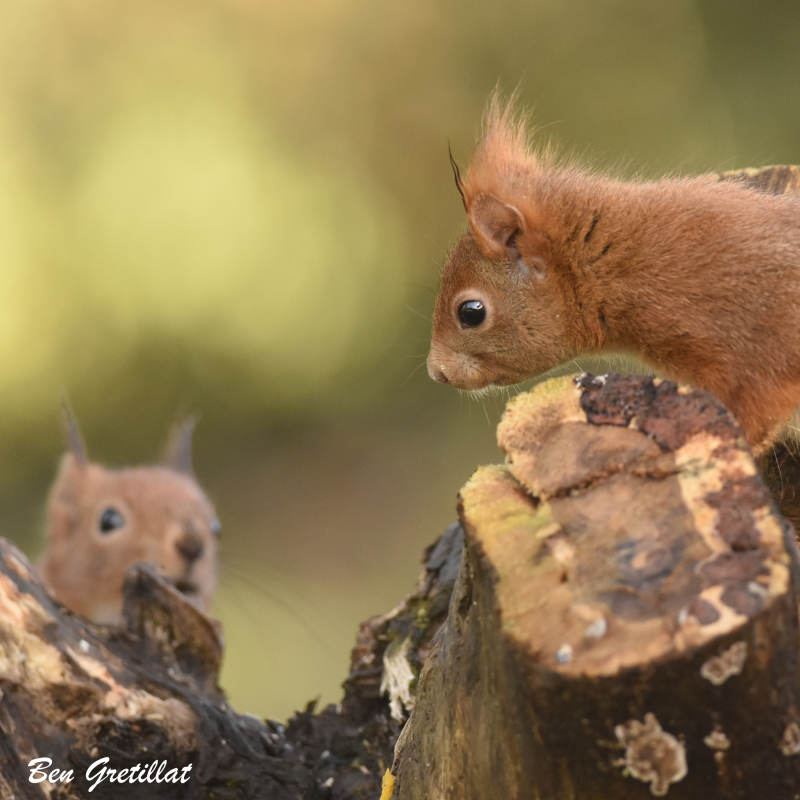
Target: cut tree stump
x: 625, y: 620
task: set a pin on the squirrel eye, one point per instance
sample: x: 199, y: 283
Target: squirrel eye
x: 215, y: 526
x: 471, y: 313
x: 110, y: 520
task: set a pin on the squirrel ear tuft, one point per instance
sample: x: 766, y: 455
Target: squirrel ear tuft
x: 498, y: 192
x: 496, y: 226
x: 75, y: 442
x: 178, y: 454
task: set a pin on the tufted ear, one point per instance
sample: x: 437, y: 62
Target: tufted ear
x: 503, y: 233
x: 500, y: 193
x: 63, y: 505
x: 75, y: 442
x: 178, y: 454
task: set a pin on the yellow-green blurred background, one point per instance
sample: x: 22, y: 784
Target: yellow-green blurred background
x: 238, y: 208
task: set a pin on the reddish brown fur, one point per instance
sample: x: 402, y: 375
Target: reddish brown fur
x: 168, y: 520
x: 699, y: 278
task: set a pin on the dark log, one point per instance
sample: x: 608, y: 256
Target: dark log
x: 625, y: 619
x: 75, y: 692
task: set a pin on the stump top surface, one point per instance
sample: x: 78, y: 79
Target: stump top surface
x: 628, y: 525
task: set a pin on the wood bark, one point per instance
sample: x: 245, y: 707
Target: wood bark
x: 625, y: 620
x: 75, y: 692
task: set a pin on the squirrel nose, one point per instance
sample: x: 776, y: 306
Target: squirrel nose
x: 190, y: 546
x: 436, y: 372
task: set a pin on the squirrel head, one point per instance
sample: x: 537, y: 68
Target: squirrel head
x: 102, y: 521
x: 501, y: 313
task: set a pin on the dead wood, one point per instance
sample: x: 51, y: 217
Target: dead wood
x: 625, y: 620
x: 75, y: 692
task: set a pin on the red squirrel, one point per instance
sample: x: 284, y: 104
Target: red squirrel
x: 699, y: 277
x: 102, y: 521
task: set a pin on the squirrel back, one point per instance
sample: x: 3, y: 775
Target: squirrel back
x: 102, y: 521
x: 698, y: 277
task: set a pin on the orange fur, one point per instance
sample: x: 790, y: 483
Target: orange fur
x: 698, y: 277
x: 165, y: 519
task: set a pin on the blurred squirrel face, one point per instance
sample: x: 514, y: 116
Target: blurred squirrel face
x: 105, y: 521
x: 494, y: 323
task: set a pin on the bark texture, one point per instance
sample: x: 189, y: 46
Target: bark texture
x: 76, y: 692
x: 625, y: 620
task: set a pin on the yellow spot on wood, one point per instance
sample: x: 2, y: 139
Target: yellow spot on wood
x: 387, y: 785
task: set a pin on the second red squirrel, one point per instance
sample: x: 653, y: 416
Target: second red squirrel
x: 698, y: 277
x: 103, y: 521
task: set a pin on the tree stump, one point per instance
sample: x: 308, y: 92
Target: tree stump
x: 625, y: 620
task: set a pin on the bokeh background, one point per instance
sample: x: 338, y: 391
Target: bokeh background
x: 238, y: 208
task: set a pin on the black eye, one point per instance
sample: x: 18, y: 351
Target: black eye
x: 471, y: 313
x: 215, y: 526
x: 110, y: 520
